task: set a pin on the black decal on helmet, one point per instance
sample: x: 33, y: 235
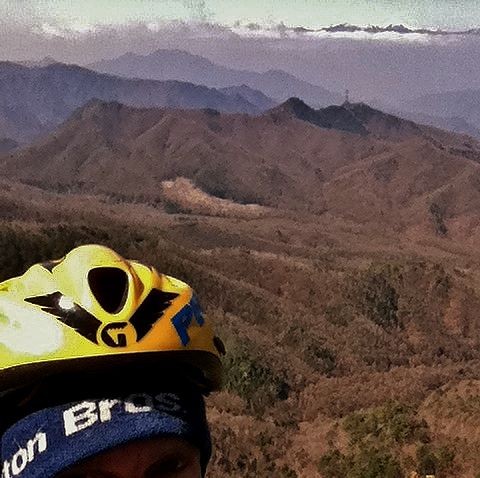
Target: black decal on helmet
x: 150, y: 311
x: 113, y: 336
x: 76, y: 317
x: 87, y: 325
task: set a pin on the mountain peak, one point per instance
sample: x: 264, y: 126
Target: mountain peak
x: 358, y: 118
x: 332, y: 117
x: 295, y: 106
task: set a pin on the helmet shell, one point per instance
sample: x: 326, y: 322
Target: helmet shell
x: 94, y: 308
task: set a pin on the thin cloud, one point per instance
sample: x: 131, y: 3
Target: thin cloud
x: 87, y: 43
x: 390, y: 33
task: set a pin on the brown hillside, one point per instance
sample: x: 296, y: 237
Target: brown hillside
x: 346, y: 350
x: 389, y: 172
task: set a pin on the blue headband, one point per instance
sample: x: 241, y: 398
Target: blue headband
x: 51, y: 440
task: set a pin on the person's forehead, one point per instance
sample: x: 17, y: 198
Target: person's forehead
x: 135, y: 459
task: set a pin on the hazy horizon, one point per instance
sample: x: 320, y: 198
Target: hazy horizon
x: 258, y: 36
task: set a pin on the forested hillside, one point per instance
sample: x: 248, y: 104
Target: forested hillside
x: 349, y: 354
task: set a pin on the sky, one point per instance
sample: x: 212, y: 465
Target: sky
x: 85, y: 14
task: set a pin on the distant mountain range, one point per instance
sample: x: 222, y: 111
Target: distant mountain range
x: 456, y: 124
x: 399, y: 29
x: 457, y: 104
x: 456, y: 111
x: 181, y: 65
x: 351, y: 161
x: 34, y: 100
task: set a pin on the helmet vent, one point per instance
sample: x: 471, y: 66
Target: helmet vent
x: 109, y: 285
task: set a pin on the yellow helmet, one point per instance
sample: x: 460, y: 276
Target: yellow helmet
x: 94, y: 308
